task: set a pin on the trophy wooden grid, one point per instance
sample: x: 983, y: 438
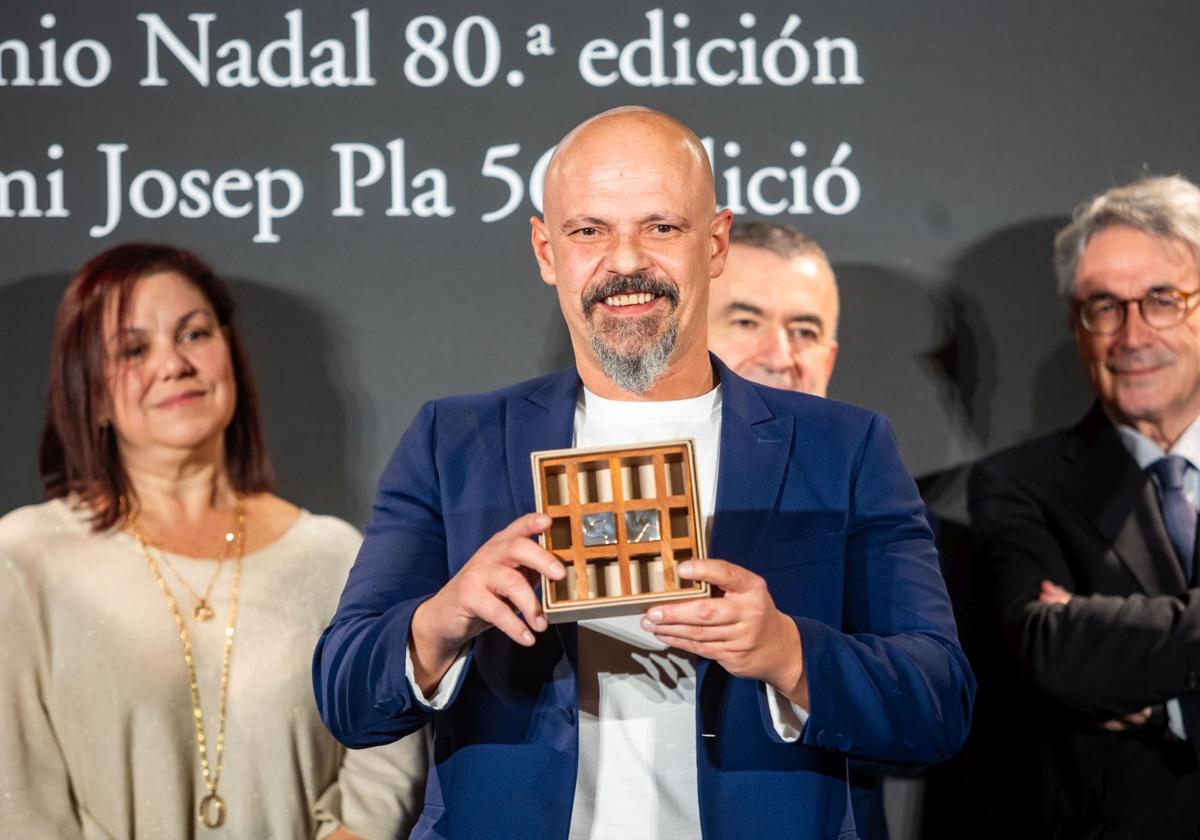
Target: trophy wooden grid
x: 627, y: 574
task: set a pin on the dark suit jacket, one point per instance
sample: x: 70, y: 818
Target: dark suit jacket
x: 1074, y: 508
x: 812, y: 496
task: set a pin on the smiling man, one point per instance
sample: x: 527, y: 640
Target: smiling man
x: 1090, y: 533
x: 773, y: 313
x: 723, y: 718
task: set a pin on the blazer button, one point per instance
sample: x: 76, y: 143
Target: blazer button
x: 568, y: 715
x: 1193, y: 679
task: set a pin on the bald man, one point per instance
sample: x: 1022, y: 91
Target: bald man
x: 773, y: 312
x: 722, y: 718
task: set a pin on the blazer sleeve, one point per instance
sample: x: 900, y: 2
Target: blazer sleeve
x: 362, y: 691
x: 892, y: 684
x: 1102, y: 655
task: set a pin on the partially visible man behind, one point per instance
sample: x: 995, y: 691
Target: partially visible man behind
x: 1089, y: 533
x: 773, y: 312
x: 773, y: 317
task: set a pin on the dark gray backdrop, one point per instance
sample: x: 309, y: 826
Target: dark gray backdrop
x: 975, y: 128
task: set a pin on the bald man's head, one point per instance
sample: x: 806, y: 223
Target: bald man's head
x: 628, y: 123
x: 630, y: 240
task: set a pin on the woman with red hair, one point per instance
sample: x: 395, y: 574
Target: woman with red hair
x: 159, y: 611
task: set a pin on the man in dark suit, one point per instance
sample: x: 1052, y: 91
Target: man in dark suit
x: 730, y: 717
x: 1089, y: 534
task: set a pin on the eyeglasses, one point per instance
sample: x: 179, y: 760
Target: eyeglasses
x: 1160, y: 308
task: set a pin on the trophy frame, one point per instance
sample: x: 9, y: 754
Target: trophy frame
x: 623, y: 518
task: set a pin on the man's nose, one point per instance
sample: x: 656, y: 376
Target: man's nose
x: 775, y: 350
x: 1135, y: 332
x: 628, y: 256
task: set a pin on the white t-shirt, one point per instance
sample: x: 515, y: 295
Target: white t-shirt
x: 637, y: 698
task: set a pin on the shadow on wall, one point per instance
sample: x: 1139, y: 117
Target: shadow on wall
x: 26, y: 320
x: 308, y: 410
x: 1006, y: 360
x: 888, y: 325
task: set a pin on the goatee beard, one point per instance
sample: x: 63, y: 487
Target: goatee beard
x: 621, y: 346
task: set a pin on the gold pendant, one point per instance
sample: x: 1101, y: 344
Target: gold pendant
x: 211, y: 812
x: 202, y: 611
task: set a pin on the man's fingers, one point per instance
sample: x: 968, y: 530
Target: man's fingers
x: 1052, y: 593
x: 728, y: 576
x: 516, y: 589
x: 1129, y: 721
x: 501, y: 616
x: 692, y: 632
x: 529, y: 525
x: 525, y: 552
x: 1139, y: 718
x: 702, y: 611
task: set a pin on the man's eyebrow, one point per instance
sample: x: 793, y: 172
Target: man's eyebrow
x: 667, y: 218
x: 740, y: 306
x: 576, y: 222
x: 807, y: 318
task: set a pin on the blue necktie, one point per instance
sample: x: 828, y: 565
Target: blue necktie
x: 1178, y: 513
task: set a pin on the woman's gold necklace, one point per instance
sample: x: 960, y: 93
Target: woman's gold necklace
x: 203, y: 611
x: 211, y: 811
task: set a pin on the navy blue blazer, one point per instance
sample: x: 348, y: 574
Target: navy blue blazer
x: 811, y: 495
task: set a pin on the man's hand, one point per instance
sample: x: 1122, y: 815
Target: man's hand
x: 741, y: 629
x: 1133, y: 720
x: 488, y: 591
x: 1052, y: 593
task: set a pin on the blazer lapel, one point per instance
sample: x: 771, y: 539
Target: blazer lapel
x: 543, y: 419
x: 755, y: 446
x: 1120, y: 500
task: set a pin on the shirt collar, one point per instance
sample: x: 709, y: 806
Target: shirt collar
x: 1146, y: 452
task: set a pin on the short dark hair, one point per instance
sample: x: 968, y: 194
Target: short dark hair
x: 785, y: 241
x: 79, y: 454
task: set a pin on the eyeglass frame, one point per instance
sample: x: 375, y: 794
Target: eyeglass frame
x: 1189, y: 303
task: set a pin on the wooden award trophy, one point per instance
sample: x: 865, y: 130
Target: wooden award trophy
x: 623, y: 519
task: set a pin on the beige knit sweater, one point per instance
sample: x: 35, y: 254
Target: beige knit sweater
x: 96, y: 732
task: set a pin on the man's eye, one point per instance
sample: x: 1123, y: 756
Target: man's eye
x: 1102, y: 306
x: 664, y: 228
x: 1165, y: 299
x: 586, y: 232
x: 806, y: 334
x: 745, y: 323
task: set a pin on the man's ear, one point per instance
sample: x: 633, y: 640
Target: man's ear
x: 719, y: 242
x: 833, y: 351
x: 543, y: 251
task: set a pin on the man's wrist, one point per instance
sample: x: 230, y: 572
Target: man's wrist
x: 431, y: 655
x: 789, y: 677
